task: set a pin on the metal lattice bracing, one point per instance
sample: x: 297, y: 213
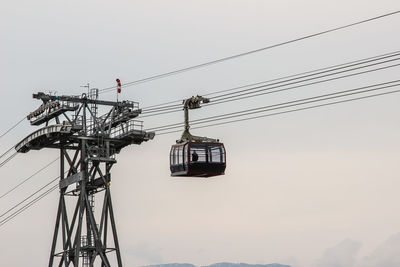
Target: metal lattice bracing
x: 88, y: 144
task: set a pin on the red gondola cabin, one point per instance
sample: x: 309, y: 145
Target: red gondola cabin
x: 199, y: 159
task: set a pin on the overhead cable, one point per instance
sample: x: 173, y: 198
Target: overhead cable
x: 253, y: 94
x: 12, y: 127
x: 30, y: 196
x: 287, y: 111
x: 8, y: 159
x: 8, y: 151
x: 28, y: 205
x: 302, y: 101
x: 255, y: 91
x: 267, y: 89
x: 30, y: 177
x: 286, y: 78
x: 305, y: 78
x: 158, y: 76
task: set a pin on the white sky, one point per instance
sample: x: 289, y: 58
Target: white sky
x: 295, y: 184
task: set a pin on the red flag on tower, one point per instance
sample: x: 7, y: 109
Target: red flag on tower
x: 118, y: 85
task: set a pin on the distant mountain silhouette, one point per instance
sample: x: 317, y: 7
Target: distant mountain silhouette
x: 221, y: 264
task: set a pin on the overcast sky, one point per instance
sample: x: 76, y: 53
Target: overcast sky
x: 311, y: 188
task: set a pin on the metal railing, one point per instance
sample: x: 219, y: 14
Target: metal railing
x: 126, y: 128
x: 134, y: 104
x: 49, y: 108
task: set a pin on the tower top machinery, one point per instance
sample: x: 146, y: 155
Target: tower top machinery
x: 88, y: 133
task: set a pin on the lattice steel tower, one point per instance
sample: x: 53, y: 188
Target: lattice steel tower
x: 88, y: 144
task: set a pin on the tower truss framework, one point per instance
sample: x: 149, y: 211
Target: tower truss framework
x: 88, y: 144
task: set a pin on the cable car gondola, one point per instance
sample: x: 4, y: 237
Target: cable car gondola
x: 196, y: 156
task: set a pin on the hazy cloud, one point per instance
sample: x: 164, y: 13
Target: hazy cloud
x: 386, y: 255
x: 143, y: 251
x: 341, y: 255
x: 291, y: 261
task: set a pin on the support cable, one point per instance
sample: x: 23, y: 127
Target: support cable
x: 8, y: 151
x: 28, y: 205
x: 306, y: 78
x: 268, y: 87
x: 287, y: 111
x: 12, y: 127
x: 286, y: 78
x: 252, y: 94
x: 30, y: 196
x: 320, y: 70
x: 158, y: 76
x: 302, y: 101
x: 8, y: 159
x: 30, y: 177
x: 262, y: 89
